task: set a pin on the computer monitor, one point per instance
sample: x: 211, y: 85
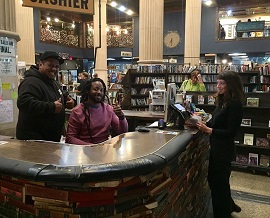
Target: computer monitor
x: 182, y: 114
x: 170, y: 98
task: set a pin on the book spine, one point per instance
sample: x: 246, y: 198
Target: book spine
x: 52, y: 207
x: 135, y: 211
x: 20, y: 205
x: 39, y: 191
x: 12, y: 193
x: 75, y: 196
x: 109, y: 210
x: 94, y: 203
x: 11, y: 185
x: 13, y: 190
x: 39, y: 200
x: 128, y: 205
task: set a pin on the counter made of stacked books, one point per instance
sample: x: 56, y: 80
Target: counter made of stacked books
x: 136, y: 174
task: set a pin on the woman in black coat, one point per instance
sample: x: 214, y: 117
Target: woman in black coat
x: 222, y: 128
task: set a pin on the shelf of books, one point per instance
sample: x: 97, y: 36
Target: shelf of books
x: 253, y: 136
x: 140, y: 81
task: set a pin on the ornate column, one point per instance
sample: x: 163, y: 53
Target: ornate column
x: 151, y: 31
x: 100, y: 39
x: 192, y: 32
x: 25, y: 28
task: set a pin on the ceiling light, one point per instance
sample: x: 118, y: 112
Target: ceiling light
x: 56, y: 20
x: 113, y: 4
x: 237, y: 54
x: 208, y: 3
x: 110, y: 59
x: 48, y: 19
x: 122, y: 8
x: 129, y: 12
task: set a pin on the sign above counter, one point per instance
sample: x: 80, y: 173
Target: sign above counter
x: 77, y: 6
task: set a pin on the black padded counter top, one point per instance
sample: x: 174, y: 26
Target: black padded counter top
x: 129, y: 154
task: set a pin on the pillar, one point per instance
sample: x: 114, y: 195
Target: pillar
x: 8, y: 68
x: 151, y: 31
x: 192, y: 32
x: 25, y: 28
x: 100, y: 30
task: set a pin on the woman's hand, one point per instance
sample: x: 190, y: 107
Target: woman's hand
x: 199, y: 78
x: 201, y: 126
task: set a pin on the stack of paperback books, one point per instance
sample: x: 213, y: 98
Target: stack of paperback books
x: 175, y: 189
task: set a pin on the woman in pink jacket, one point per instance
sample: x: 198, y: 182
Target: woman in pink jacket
x: 90, y: 121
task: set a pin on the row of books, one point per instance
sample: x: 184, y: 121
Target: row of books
x: 142, y: 91
x: 139, y: 101
x: 264, y: 79
x: 183, y: 68
x: 146, y: 79
x: 171, y: 190
x: 178, y: 68
x: 201, y: 99
x: 180, y: 78
x: 150, y: 68
x: 253, y: 159
x: 260, y: 142
x: 211, y: 87
x: 217, y: 68
x: 264, y: 69
x: 177, y: 78
x: 266, y: 88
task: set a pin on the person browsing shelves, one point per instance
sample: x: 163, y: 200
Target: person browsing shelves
x: 195, y: 82
x: 83, y: 78
x: 90, y: 121
x: 41, y: 102
x: 222, y: 128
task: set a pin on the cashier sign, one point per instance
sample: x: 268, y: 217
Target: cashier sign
x: 78, y: 6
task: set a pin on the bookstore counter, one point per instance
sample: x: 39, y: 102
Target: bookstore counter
x: 152, y: 173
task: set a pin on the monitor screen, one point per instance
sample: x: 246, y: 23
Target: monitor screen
x: 170, y: 98
x: 179, y: 107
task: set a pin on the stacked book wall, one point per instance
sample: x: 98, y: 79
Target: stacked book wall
x: 178, y: 190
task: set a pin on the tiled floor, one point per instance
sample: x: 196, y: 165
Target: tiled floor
x: 252, y: 193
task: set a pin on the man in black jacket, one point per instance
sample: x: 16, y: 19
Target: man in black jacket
x: 41, y: 102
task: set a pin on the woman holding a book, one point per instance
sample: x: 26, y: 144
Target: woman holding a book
x: 222, y: 128
x: 195, y: 82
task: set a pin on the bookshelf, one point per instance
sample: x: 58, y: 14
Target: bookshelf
x: 265, y: 77
x: 259, y: 128
x: 251, y: 81
x: 138, y: 82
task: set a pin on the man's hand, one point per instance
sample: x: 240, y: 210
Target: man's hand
x: 118, y: 111
x: 70, y: 103
x: 58, y: 106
